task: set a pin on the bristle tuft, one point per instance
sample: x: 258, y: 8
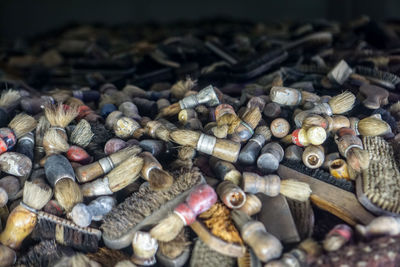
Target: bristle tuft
x: 36, y: 195
x: 42, y: 127
x: 82, y: 134
x: 60, y: 115
x: 179, y: 89
x: 168, y: 228
x: 342, y: 103
x: 264, y: 131
x: 229, y: 119
x: 185, y: 137
x: 125, y: 173
x: 313, y: 120
x: 108, y: 257
x: 252, y: 117
x: 373, y: 127
x: 160, y: 179
x: 54, y: 141
x: 295, y: 190
x: 22, y: 124
x: 9, y: 98
x: 169, y: 111
x: 67, y: 193
x: 175, y: 247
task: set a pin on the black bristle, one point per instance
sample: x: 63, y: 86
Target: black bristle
x: 377, y: 74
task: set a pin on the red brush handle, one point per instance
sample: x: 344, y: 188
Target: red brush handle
x: 78, y: 154
x: 7, y: 139
x: 199, y: 200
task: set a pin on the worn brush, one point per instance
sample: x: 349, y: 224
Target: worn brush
x: 185, y: 158
x: 82, y: 134
x: 199, y: 200
x: 61, y: 176
x: 128, y: 215
x: 174, y: 249
x: 144, y: 249
x: 180, y: 88
x: 8, y: 102
x: 60, y: 115
x: 53, y: 143
x: 219, y: 148
x: 124, y: 174
x: 107, y: 257
x: 157, y: 130
x: 152, y: 171
x: 372, y: 126
x: 23, y: 218
x: 245, y: 130
x: 291, y: 97
x: 342, y: 103
x: 272, y: 185
x: 42, y: 127
x: 248, y: 154
x: 66, y: 232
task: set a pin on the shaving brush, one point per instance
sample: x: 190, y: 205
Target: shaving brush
x: 224, y: 170
x: 329, y: 123
x: 371, y: 126
x: 180, y: 88
x: 83, y: 215
x: 60, y: 116
x: 207, y: 96
x: 200, y: 199
x: 53, y: 143
x: 123, y: 127
x: 19, y: 126
x: 291, y: 97
x: 248, y: 154
x: 210, y: 145
x: 144, y: 249
x: 231, y: 194
x: 153, y: 172
x: 265, y: 246
x: 337, y: 237
x: 42, y: 127
x: 313, y: 156
x: 383, y: 225
x: 272, y: 185
x: 61, y: 176
x: 23, y: 218
x: 270, y: 156
x: 8, y: 102
x: 315, y: 135
x: 82, y: 134
x: 156, y: 129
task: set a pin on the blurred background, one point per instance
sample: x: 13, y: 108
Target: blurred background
x: 22, y: 18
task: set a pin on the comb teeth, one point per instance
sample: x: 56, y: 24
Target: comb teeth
x: 386, y: 79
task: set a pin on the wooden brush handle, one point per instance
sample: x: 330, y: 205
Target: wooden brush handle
x: 269, y: 185
x: 89, y: 172
x: 226, y: 150
x: 149, y: 162
x: 19, y: 225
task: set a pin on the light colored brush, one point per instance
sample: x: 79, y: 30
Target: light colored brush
x: 82, y: 134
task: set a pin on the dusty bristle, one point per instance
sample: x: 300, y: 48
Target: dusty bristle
x: 362, y: 156
x: 185, y: 137
x: 169, y: 111
x: 22, y: 124
x: 179, y: 89
x: 82, y: 134
x: 309, y: 97
x: 373, y: 127
x: 295, y: 190
x: 77, y: 260
x: 9, y: 98
x: 395, y: 108
x: 229, y: 119
x: 175, y: 247
x: 186, y: 152
x: 220, y: 131
x: 313, y: 120
x: 342, y: 103
x: 108, y: 257
x: 163, y: 133
x: 125, y: 173
x: 59, y: 115
x: 54, y: 141
x: 42, y: 127
x: 60, y: 95
x: 168, y: 228
x: 252, y: 117
x: 67, y: 193
x: 264, y: 131
x: 36, y: 195
x: 160, y: 179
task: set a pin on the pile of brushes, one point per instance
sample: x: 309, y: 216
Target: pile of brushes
x: 215, y: 144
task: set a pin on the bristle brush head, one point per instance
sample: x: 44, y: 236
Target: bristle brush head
x: 179, y: 89
x: 67, y: 193
x: 169, y: 111
x: 82, y: 134
x: 160, y: 179
x: 252, y: 117
x: 36, y: 195
x: 168, y: 228
x: 295, y: 190
x: 314, y: 120
x: 53, y: 142
x: 342, y: 103
x: 125, y: 173
x: 9, y: 98
x: 22, y: 124
x: 60, y: 115
x: 185, y: 137
x: 264, y: 131
x: 371, y: 126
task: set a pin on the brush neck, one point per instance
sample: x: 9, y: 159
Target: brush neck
x: 347, y: 142
x: 106, y: 164
x: 25, y: 206
x: 206, y: 144
x: 97, y: 188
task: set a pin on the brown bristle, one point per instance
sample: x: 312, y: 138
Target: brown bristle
x: 186, y: 152
x: 252, y: 117
x: 342, y: 103
x: 36, y: 195
x: 77, y: 260
x: 22, y: 124
x: 313, y: 120
x: 220, y: 131
x: 169, y: 111
x: 73, y: 101
x: 264, y: 131
x: 178, y: 164
x: 59, y: 115
x: 42, y: 127
x: 175, y: 247
x: 108, y: 257
x: 159, y: 129
x: 160, y: 179
x: 295, y: 190
x: 185, y: 137
x: 179, y: 89
x: 9, y: 98
x: 229, y: 119
x: 82, y: 134
x: 53, y: 142
x: 371, y: 126
x: 309, y: 97
x: 395, y: 108
x: 67, y: 193
x: 218, y: 220
x: 167, y: 229
x: 125, y: 173
x: 60, y: 95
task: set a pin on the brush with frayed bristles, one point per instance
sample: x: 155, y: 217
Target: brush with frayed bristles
x: 169, y: 111
x: 67, y: 193
x: 117, y: 98
x: 313, y: 120
x: 108, y: 257
x: 342, y: 103
x: 358, y: 159
x: 185, y: 137
x: 185, y: 158
x: 124, y: 174
x: 23, y: 218
x: 229, y: 119
x: 60, y: 115
x: 53, y: 143
x: 133, y: 212
x: 73, y: 101
x: 22, y: 124
x: 175, y: 247
x: 372, y: 126
x: 153, y: 172
x: 180, y: 88
x: 9, y: 98
x: 156, y: 129
x: 82, y: 134
x: 252, y: 117
x: 77, y: 260
x: 382, y: 78
x: 42, y: 127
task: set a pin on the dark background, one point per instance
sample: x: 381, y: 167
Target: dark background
x: 20, y: 18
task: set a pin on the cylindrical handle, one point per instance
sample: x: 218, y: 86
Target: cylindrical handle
x: 285, y: 96
x: 248, y: 154
x: 346, y: 142
x: 269, y: 185
x: 149, y: 162
x: 225, y: 170
x: 7, y: 139
x: 89, y: 172
x: 313, y: 156
x: 57, y: 167
x: 231, y: 195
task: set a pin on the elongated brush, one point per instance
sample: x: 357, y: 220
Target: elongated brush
x: 82, y: 134
x: 180, y: 88
x: 272, y: 185
x: 329, y: 123
x: 23, y: 218
x: 124, y: 174
x: 219, y: 148
x: 291, y: 97
x: 61, y: 176
x: 199, y: 200
x: 372, y: 126
x: 153, y: 172
x: 8, y: 102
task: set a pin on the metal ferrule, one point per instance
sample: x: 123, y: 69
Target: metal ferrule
x: 106, y: 164
x: 208, y: 96
x: 356, y: 127
x: 327, y: 109
x: 350, y: 147
x: 259, y: 139
x: 189, y: 102
x: 27, y: 137
x: 27, y: 207
x: 147, y: 173
x: 97, y: 188
x: 59, y: 128
x: 245, y: 135
x: 181, y: 217
x: 206, y: 144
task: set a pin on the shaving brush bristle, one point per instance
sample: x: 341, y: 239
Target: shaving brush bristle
x: 179, y: 89
x: 168, y: 228
x: 53, y: 142
x: 264, y: 131
x: 185, y: 137
x: 358, y: 159
x: 186, y: 152
x: 175, y: 247
x: 314, y: 120
x: 371, y: 126
x: 42, y: 127
x: 60, y: 115
x: 125, y: 173
x: 252, y: 117
x: 220, y: 131
x: 169, y: 111
x: 309, y: 97
x: 9, y: 99
x: 22, y: 124
x: 395, y: 108
x: 295, y: 190
x: 160, y: 179
x: 67, y: 193
x: 229, y: 119
x: 342, y: 103
x: 36, y: 195
x: 82, y: 134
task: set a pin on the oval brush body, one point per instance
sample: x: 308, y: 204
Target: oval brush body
x: 219, y: 148
x: 313, y: 156
x: 372, y: 126
x: 337, y: 237
x: 225, y: 170
x: 157, y: 130
x: 130, y: 110
x: 199, y: 200
x: 8, y: 257
x: 83, y: 215
x: 153, y: 172
x: 8, y: 101
x: 15, y: 164
x: 231, y: 194
x: 125, y: 127
x: 91, y: 171
x: 61, y: 176
x: 23, y: 218
x: 270, y: 157
x: 248, y: 154
x: 120, y: 177
x: 26, y: 145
